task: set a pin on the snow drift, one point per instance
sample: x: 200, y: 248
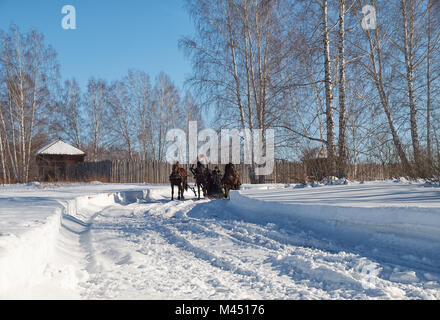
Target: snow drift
x: 400, y: 221
x: 410, y: 222
x: 26, y: 257
x: 116, y: 241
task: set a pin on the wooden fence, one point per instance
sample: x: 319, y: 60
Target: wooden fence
x: 125, y: 171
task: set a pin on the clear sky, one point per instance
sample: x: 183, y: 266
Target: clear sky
x: 112, y: 36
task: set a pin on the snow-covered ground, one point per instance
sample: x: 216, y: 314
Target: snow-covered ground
x: 375, y: 240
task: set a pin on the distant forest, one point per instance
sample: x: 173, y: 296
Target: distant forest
x: 357, y: 78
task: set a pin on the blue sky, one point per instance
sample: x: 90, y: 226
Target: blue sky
x: 112, y: 36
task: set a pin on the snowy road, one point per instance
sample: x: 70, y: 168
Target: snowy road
x: 378, y: 240
x: 204, y: 250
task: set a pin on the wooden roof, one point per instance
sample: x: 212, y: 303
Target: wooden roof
x: 59, y: 147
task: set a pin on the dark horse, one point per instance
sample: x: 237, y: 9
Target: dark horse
x: 200, y: 175
x: 179, y: 178
x: 231, y: 179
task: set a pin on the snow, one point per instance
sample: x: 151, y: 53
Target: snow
x: 59, y: 147
x: 372, y: 240
x: 38, y: 236
x: 408, y: 209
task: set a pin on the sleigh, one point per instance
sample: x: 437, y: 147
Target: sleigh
x: 216, y: 190
x: 211, y: 183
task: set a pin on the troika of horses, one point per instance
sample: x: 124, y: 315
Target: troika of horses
x: 209, y: 182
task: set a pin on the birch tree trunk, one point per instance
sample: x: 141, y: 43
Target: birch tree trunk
x: 12, y: 163
x: 342, y: 142
x: 408, y: 39
x: 231, y: 39
x: 248, y: 47
x: 328, y: 91
x: 375, y: 70
x: 2, y: 158
x: 428, y: 91
x: 35, y: 86
x: 96, y: 108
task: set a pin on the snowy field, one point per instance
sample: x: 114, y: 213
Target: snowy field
x: 374, y: 240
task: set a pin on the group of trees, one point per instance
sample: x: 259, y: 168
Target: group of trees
x: 360, y: 80
x: 28, y: 73
x: 127, y: 118
x: 315, y: 71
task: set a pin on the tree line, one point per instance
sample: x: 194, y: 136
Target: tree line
x: 123, y: 119
x: 315, y: 74
x: 310, y: 70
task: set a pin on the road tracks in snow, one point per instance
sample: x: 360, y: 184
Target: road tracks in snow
x: 192, y: 249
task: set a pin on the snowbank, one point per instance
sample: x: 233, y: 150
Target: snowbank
x: 416, y: 222
x: 406, y: 216
x: 423, y: 223
x: 27, y: 249
x: 23, y: 259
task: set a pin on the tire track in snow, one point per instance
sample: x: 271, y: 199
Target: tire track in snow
x: 210, y: 252
x: 363, y: 253
x: 321, y: 266
x: 226, y: 280
x: 298, y: 267
x: 326, y: 257
x: 175, y: 235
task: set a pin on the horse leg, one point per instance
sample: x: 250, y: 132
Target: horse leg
x: 227, y: 188
x: 181, y: 191
x: 184, y: 188
x: 206, y: 188
x: 198, y: 191
x: 172, y: 191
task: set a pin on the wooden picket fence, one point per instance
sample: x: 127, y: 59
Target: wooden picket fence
x: 126, y: 171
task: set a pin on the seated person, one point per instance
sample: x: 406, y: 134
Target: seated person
x: 216, y: 171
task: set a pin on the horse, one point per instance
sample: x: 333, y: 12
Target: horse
x: 179, y: 178
x: 201, y: 179
x: 231, y: 179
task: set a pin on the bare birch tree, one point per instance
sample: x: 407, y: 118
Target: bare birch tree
x: 95, y: 101
x: 28, y: 70
x: 121, y: 113
x: 342, y: 142
x: 140, y: 94
x: 167, y: 114
x: 240, y: 54
x: 69, y: 116
x: 374, y: 68
x: 409, y: 10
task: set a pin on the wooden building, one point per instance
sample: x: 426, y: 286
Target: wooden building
x: 53, y: 159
